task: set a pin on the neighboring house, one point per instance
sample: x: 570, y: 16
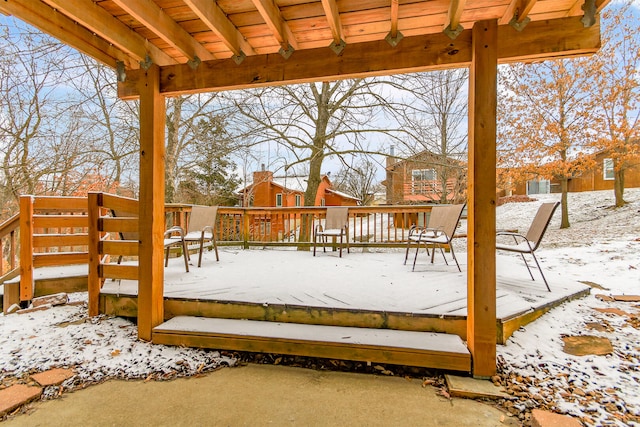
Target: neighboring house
x: 288, y: 191
x: 425, y: 178
x: 600, y: 177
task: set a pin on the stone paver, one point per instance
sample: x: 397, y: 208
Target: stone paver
x: 540, y: 418
x: 17, y: 395
x: 52, y: 376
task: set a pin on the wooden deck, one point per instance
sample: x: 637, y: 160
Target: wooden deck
x: 362, y: 289
x: 365, y: 306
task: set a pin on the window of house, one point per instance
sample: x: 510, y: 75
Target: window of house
x: 322, y: 202
x: 538, y: 186
x: 298, y: 200
x: 424, y: 175
x: 607, y: 168
x: 279, y: 200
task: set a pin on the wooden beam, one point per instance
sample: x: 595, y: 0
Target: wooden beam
x: 333, y: 18
x: 156, y: 20
x: 211, y: 14
x: 481, y: 229
x: 151, y: 225
x: 52, y: 22
x: 26, y: 248
x: 272, y: 17
x: 539, y: 40
x: 94, y: 282
x: 102, y: 23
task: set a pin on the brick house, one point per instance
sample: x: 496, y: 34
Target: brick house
x: 288, y: 191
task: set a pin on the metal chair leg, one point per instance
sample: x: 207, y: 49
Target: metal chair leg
x: 540, y: 270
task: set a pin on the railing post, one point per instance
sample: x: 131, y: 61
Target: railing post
x: 26, y: 248
x: 94, y: 279
x: 245, y: 228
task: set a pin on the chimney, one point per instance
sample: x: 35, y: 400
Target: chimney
x: 262, y: 176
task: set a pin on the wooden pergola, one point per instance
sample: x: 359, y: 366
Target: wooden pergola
x: 166, y: 48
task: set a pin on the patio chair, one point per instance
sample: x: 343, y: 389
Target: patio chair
x: 170, y: 238
x: 202, y: 229
x: 336, y: 225
x: 529, y: 242
x: 439, y: 232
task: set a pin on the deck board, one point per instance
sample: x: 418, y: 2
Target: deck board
x: 380, y: 283
x: 433, y: 350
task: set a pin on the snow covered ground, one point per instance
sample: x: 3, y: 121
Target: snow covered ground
x: 601, y: 247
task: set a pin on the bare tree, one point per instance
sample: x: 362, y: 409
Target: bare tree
x: 35, y: 135
x: 315, y: 121
x: 358, y: 180
x: 434, y: 118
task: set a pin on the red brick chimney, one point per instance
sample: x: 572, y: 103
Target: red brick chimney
x: 262, y: 176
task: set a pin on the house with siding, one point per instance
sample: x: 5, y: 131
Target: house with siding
x: 599, y: 177
x: 425, y: 178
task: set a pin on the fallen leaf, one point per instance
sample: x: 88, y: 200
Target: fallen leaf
x: 115, y: 353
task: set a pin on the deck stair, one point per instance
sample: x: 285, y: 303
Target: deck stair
x: 426, y: 349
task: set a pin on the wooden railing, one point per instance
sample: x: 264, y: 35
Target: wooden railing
x: 55, y: 231
x: 108, y: 244
x: 9, y: 232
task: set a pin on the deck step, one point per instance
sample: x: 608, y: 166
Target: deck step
x: 426, y: 349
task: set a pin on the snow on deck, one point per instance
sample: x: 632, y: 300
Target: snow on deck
x: 373, y: 281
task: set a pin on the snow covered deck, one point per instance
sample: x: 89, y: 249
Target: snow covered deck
x: 364, y: 289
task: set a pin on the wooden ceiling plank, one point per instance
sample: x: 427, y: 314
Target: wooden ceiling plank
x: 273, y: 18
x: 154, y: 18
x: 56, y: 24
x: 101, y: 22
x: 217, y: 21
x: 333, y: 18
x: 539, y: 40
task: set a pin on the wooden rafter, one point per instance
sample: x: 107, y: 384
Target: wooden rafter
x: 417, y: 53
x: 156, y: 20
x: 394, y: 18
x: 517, y: 11
x: 101, y: 22
x: 273, y: 18
x: 453, y: 15
x: 64, y: 29
x: 577, y: 7
x: 333, y: 17
x: 214, y: 18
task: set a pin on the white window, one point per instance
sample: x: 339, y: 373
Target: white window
x: 538, y: 186
x: 322, y: 202
x: 424, y: 175
x: 298, y: 200
x: 279, y: 200
x: 607, y: 168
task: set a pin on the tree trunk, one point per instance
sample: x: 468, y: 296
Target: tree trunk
x: 565, y: 206
x: 618, y: 187
x: 171, y: 157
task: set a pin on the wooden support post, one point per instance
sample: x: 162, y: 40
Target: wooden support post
x: 151, y: 226
x: 481, y: 271
x: 26, y: 248
x: 94, y: 281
